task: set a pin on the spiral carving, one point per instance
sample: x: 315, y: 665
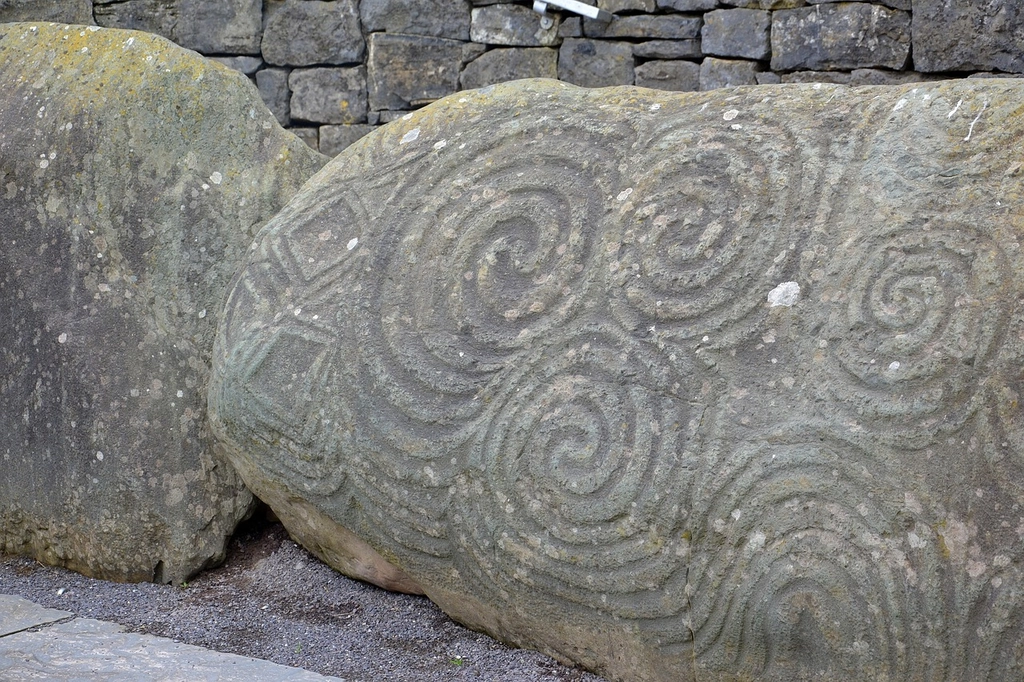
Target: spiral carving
x: 911, y: 327
x: 802, y: 562
x: 577, y: 486
x: 707, y: 233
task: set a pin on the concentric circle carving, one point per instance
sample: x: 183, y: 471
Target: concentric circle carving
x: 803, y: 560
x: 706, y: 232
x: 912, y: 325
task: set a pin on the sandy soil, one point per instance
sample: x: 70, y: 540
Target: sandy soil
x: 273, y: 600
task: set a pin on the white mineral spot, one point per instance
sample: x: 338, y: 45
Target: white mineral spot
x: 705, y: 339
x: 205, y: 186
x: 655, y: 106
x: 84, y: 50
x: 297, y: 311
x: 62, y: 338
x: 894, y: 365
x: 410, y: 136
x: 99, y: 455
x: 128, y: 43
x: 975, y: 568
x: 61, y: 591
x: 899, y: 105
x: 624, y: 194
x: 441, y: 144
x: 786, y: 294
x: 43, y: 163
x: 731, y: 114
x: 352, y: 243
x: 756, y: 540
x: 736, y: 514
x: 180, y: 394
x: 53, y: 155
x: 955, y: 109
x: 915, y: 540
x: 736, y: 126
x: 216, y: 177
x: 202, y: 313
x: 407, y: 117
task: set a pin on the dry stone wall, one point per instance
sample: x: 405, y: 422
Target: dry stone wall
x: 332, y: 70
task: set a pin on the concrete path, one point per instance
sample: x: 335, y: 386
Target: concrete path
x: 46, y: 644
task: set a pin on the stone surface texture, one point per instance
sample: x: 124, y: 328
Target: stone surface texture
x: 497, y: 66
x: 307, y: 32
x: 133, y: 176
x: 737, y: 33
x: 595, y: 63
x: 703, y: 386
x: 331, y: 95
x: 832, y: 37
x: 962, y: 35
x: 947, y: 38
x: 512, y: 25
x: 668, y: 75
x: 66, y: 11
x: 438, y: 18
x: 406, y: 71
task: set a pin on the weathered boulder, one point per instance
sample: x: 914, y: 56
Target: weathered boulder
x: 706, y: 386
x: 133, y: 176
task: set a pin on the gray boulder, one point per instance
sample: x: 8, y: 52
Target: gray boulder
x: 133, y: 176
x: 704, y: 386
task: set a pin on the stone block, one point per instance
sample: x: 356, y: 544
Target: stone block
x: 512, y: 25
x: 510, y: 63
x: 741, y: 33
x: 614, y: 6
x: 835, y: 37
x: 438, y: 18
x: 328, y: 95
x: 963, y: 35
x: 894, y: 4
x: 404, y: 72
x: 231, y: 26
x: 649, y: 27
x: 308, y: 32
x: 687, y: 5
x: 133, y: 177
x: 222, y: 27
x: 764, y: 4
x: 668, y: 49
x: 678, y: 386
x: 768, y: 78
x: 58, y: 11
x: 680, y: 76
x: 335, y: 139
x: 309, y: 136
x: 837, y: 77
x: 724, y: 73
x: 247, y: 65
x: 883, y: 77
x: 273, y: 87
x: 152, y: 16
x: 570, y: 27
x: 595, y: 63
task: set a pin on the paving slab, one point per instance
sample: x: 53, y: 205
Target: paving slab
x: 87, y: 650
x: 18, y: 613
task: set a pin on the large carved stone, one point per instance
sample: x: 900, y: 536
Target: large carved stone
x: 133, y: 177
x: 679, y: 387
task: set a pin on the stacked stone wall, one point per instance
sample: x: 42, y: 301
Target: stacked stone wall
x: 331, y: 70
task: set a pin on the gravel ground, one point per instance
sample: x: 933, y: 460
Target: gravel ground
x: 273, y: 600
